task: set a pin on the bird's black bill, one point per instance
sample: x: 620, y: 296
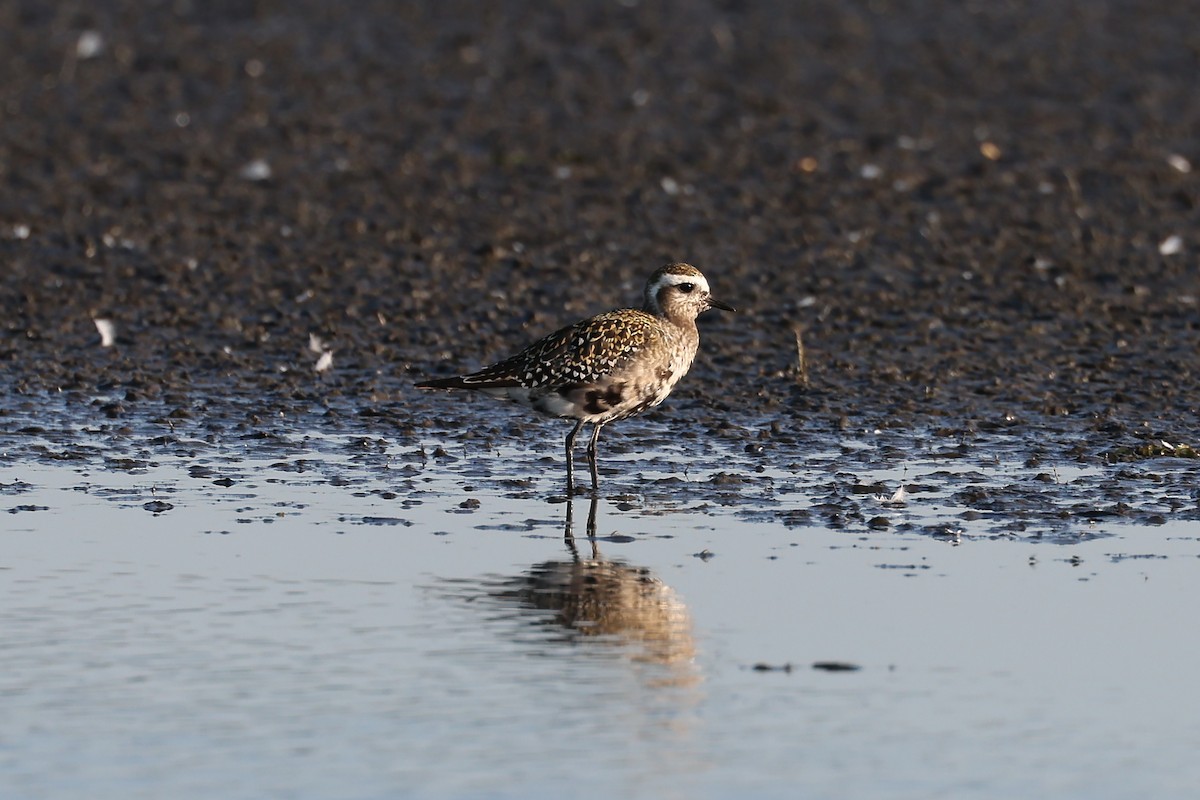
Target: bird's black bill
x: 718, y: 304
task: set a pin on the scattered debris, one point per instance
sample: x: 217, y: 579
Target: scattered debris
x: 1179, y: 163
x: 256, y: 170
x: 1160, y: 449
x: 90, y: 44
x: 1171, y: 245
x: 825, y: 666
x: 108, y: 332
x: 318, y: 345
x: 801, y: 358
x: 897, y: 498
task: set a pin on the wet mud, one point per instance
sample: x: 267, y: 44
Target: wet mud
x: 956, y: 235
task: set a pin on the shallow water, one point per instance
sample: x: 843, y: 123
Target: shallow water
x: 346, y: 618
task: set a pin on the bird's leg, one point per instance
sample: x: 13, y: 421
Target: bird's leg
x: 591, y: 451
x: 571, y: 458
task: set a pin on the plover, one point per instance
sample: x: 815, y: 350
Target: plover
x: 606, y: 368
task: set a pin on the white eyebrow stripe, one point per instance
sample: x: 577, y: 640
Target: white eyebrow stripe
x: 671, y: 279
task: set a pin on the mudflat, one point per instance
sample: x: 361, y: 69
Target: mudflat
x: 970, y: 216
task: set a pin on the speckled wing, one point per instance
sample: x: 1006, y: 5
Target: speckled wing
x: 580, y: 353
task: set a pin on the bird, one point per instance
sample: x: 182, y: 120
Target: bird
x: 605, y: 368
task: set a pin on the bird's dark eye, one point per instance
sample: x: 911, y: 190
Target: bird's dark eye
x: 686, y: 288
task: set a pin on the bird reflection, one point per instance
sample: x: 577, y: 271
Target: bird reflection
x: 599, y: 600
x: 569, y: 533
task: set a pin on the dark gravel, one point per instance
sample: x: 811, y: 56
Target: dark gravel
x: 961, y: 206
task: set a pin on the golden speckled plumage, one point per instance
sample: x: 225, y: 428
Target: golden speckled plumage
x: 585, y: 351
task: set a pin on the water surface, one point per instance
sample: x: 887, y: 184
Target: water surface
x: 305, y: 633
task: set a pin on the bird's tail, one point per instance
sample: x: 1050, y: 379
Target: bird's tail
x: 443, y: 383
